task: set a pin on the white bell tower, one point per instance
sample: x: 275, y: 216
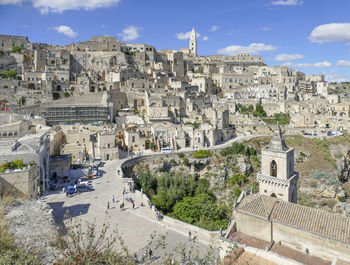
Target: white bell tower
x: 277, y: 177
x: 193, y: 43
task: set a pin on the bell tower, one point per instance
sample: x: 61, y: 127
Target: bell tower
x: 193, y: 43
x: 277, y: 177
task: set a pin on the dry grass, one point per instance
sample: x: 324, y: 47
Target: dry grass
x: 10, y: 251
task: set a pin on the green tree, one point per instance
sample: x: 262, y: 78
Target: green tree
x: 66, y: 94
x: 202, y: 186
x: 163, y: 201
x: 22, y: 101
x: 16, y: 49
x: 201, y: 210
x: 9, y: 74
x: 148, y: 182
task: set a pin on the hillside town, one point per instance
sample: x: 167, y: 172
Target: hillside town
x: 102, y: 109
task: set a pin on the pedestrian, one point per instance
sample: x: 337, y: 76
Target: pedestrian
x: 150, y: 205
x: 123, y: 190
x: 123, y: 206
x: 107, y: 205
x: 113, y: 198
x: 133, y: 205
x: 118, y: 171
x: 150, y: 253
x: 189, y: 235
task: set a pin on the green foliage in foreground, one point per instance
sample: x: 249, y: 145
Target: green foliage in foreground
x: 202, y: 154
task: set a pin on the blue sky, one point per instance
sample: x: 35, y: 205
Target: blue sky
x: 311, y: 35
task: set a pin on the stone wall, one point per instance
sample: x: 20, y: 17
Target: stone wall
x: 253, y: 226
x: 292, y: 237
x: 316, y: 245
x: 25, y: 181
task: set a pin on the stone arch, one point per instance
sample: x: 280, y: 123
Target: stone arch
x: 273, y: 195
x: 273, y: 168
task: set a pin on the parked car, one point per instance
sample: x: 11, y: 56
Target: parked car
x: 82, y: 188
x: 166, y: 150
x: 85, y: 181
x: 70, y: 190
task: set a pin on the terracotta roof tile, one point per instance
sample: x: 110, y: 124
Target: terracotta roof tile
x: 314, y: 220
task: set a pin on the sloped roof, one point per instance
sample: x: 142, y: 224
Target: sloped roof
x: 313, y: 220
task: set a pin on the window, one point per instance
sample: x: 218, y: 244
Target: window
x: 133, y: 139
x: 273, y: 168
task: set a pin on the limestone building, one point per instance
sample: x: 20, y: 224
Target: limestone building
x: 277, y: 177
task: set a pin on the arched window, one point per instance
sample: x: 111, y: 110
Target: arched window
x: 273, y: 195
x: 273, y: 168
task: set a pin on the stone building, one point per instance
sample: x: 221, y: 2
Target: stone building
x: 24, y: 180
x: 308, y: 230
x: 7, y: 42
x: 277, y: 177
x: 106, y: 148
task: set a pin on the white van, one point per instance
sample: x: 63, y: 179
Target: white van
x: 166, y: 150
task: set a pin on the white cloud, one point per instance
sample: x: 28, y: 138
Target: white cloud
x: 66, y: 31
x: 265, y: 28
x: 318, y: 64
x: 333, y: 32
x: 205, y: 38
x: 333, y: 76
x: 214, y: 28
x: 288, y: 57
x: 59, y: 6
x: 253, y: 48
x: 287, y: 2
x: 130, y: 33
x: 185, y: 36
x: 11, y: 2
x: 343, y: 63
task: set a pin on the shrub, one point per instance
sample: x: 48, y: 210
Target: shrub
x: 8, y: 74
x: 236, y: 192
x: 186, y: 161
x: 202, y: 154
x: 181, y: 155
x: 238, y: 179
x: 16, y: 49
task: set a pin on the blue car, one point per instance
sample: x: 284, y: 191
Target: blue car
x: 70, y: 190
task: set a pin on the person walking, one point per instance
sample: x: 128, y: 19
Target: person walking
x: 133, y: 205
x: 189, y: 235
x: 150, y: 253
x: 113, y: 199
x: 107, y: 205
